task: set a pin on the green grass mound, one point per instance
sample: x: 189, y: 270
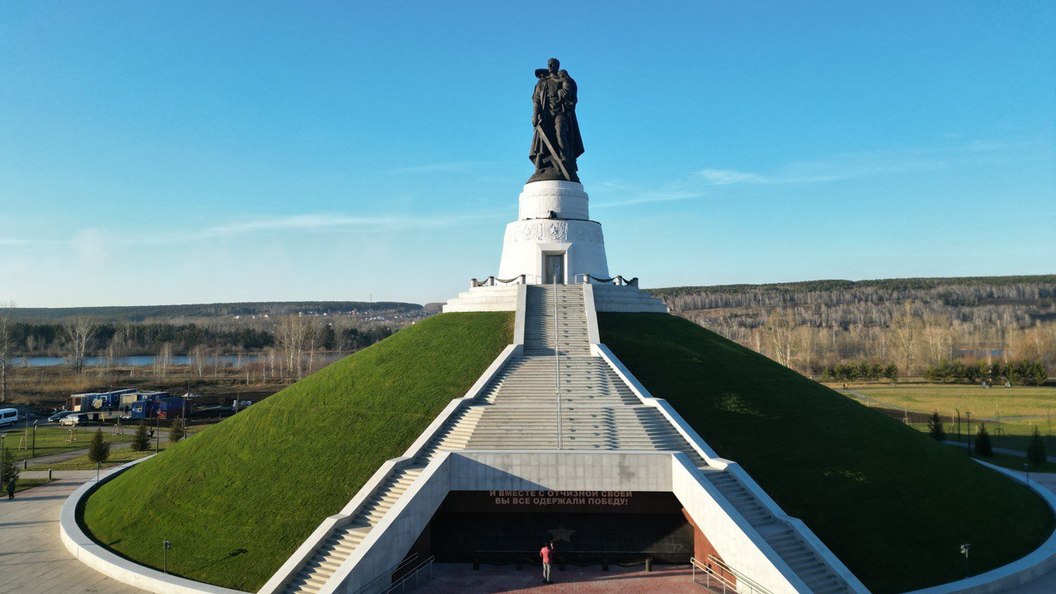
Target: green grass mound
x: 890, y: 502
x: 239, y: 498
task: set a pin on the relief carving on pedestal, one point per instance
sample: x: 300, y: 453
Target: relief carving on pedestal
x: 536, y: 231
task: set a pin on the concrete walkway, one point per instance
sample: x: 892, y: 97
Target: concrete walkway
x: 1046, y: 584
x: 455, y: 578
x: 32, y: 558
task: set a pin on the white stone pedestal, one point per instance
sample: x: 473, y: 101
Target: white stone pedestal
x: 554, y: 232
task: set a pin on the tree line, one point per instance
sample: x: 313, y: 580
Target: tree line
x: 146, y: 313
x: 286, y: 346
x: 913, y: 324
x: 285, y: 340
x: 1012, y: 372
x: 126, y: 339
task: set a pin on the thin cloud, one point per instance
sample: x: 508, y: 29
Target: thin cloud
x: 311, y: 222
x: 443, y: 167
x: 857, y: 165
x: 650, y: 198
x: 723, y: 177
x: 96, y: 241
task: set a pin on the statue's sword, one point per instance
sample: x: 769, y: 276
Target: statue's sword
x: 553, y: 154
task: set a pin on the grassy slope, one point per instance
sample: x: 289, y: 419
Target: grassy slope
x: 239, y: 498
x: 893, y: 504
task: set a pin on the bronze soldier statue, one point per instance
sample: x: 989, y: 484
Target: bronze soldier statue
x: 556, y: 143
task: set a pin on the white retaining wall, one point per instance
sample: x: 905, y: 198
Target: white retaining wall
x: 625, y: 299
x: 101, y: 559
x: 497, y: 298
x: 304, y: 552
x: 1017, y: 573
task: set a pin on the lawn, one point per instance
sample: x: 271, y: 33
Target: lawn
x: 892, y: 503
x: 1014, y: 462
x: 23, y: 484
x: 1010, y: 414
x: 117, y: 457
x: 237, y: 499
x: 53, y: 440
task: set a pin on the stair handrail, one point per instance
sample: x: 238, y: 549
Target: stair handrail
x: 387, y: 574
x: 710, y: 573
x: 557, y: 365
x: 413, y: 573
x: 741, y: 577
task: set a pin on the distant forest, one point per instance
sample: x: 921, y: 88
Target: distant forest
x: 170, y: 313
x: 288, y: 334
x: 838, y: 329
x: 945, y: 329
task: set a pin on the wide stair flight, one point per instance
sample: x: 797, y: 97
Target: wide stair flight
x: 518, y: 410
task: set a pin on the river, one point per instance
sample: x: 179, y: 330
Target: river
x: 150, y: 360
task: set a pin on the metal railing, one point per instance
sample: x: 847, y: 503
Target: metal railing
x: 492, y: 281
x: 720, y: 576
x: 379, y: 584
x: 415, y: 573
x: 557, y: 366
x: 617, y: 280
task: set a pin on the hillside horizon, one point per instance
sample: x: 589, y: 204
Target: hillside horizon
x: 248, y: 308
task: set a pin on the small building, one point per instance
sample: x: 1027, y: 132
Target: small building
x: 161, y: 406
x: 99, y: 401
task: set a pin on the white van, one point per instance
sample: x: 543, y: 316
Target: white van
x: 8, y: 416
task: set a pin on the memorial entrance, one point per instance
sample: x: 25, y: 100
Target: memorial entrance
x: 587, y: 527
x: 555, y: 269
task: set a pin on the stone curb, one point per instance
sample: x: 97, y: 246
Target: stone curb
x: 96, y: 556
x: 290, y: 568
x: 1017, y: 573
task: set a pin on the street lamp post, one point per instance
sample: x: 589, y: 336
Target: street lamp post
x: 34, y: 454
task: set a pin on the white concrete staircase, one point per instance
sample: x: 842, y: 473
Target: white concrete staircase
x: 569, y: 333
x: 800, y: 556
x: 598, y: 410
x: 518, y: 410
x: 497, y: 298
x: 341, y: 543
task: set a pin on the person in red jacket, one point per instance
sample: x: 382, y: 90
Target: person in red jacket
x: 547, y: 552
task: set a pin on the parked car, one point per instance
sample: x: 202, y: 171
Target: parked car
x: 8, y: 416
x: 73, y: 419
x: 62, y: 413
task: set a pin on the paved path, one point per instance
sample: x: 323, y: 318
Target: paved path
x: 32, y: 558
x: 456, y: 578
x: 1046, y: 584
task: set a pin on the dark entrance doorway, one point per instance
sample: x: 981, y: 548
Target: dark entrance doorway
x: 555, y: 268
x: 587, y: 527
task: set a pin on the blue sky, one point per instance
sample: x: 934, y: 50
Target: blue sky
x: 186, y: 152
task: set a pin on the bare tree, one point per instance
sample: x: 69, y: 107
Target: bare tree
x: 292, y: 337
x: 76, y: 335
x: 6, y: 347
x: 312, y: 339
x: 199, y: 357
x: 905, y: 329
x: 781, y: 332
x: 163, y: 360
